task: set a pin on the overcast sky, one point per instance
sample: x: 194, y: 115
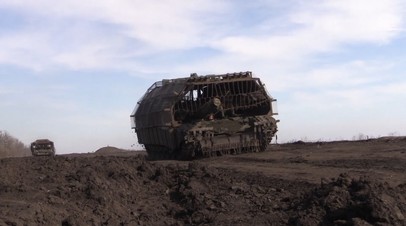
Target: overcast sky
x: 73, y: 70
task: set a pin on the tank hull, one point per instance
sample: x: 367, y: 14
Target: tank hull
x: 205, y: 116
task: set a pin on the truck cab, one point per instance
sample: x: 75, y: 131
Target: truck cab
x: 42, y: 147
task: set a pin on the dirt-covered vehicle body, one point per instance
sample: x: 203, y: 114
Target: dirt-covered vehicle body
x: 201, y: 116
x: 42, y: 147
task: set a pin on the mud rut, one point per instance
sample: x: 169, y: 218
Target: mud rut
x: 348, y: 183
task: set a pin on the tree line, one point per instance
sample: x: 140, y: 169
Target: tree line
x: 11, y: 146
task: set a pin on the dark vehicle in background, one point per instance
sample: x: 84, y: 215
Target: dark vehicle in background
x: 203, y: 116
x: 42, y: 147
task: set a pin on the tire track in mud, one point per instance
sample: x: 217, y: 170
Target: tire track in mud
x: 389, y: 164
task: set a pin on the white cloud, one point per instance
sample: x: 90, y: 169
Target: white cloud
x: 337, y: 76
x: 104, y: 34
x: 107, y: 34
x: 361, y: 20
x: 27, y: 49
x: 164, y: 24
x: 357, y: 83
x: 321, y: 27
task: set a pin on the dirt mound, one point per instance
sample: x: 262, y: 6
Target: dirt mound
x: 81, y: 191
x: 209, y: 196
x: 346, y: 201
x: 279, y: 187
x: 107, y: 190
x: 109, y: 150
x: 221, y: 197
x: 392, y: 138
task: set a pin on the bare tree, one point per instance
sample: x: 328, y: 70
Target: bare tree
x: 11, y: 146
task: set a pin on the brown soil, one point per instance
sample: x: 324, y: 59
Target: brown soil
x: 335, y: 183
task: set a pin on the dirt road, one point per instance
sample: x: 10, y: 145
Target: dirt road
x: 334, y: 183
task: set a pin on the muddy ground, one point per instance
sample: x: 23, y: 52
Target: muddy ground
x: 335, y: 183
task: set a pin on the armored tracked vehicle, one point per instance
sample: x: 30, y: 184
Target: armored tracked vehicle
x: 203, y: 116
x: 42, y: 147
